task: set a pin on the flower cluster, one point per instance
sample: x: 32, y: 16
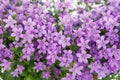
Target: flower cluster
x: 47, y: 39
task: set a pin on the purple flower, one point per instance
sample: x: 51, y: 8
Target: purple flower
x: 57, y: 35
x: 11, y: 12
x: 6, y: 65
x: 76, y: 70
x: 53, y: 48
x: 95, y: 66
x: 93, y: 32
x: 17, y: 32
x: 65, y: 20
x: 79, y: 33
x: 66, y: 59
x: 67, y: 77
x: 41, y: 30
x: 27, y: 52
x: 29, y: 25
x: 85, y: 76
x: 64, y: 41
x: 39, y: 66
x: 25, y: 1
x: 82, y: 57
x: 51, y: 36
x: 46, y: 74
x: 9, y: 22
x: 102, y: 42
x: 56, y: 71
x: 83, y: 44
x: 17, y: 71
x: 52, y: 57
x: 5, y: 53
x: 113, y: 62
x: 103, y: 72
x: 42, y: 46
x: 27, y: 37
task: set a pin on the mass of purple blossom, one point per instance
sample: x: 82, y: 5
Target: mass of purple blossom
x: 49, y: 35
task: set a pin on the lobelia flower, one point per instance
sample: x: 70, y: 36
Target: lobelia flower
x: 37, y: 56
x: 103, y: 72
x: 41, y: 30
x: 21, y: 16
x: 57, y: 36
x: 79, y: 33
x: 27, y: 52
x: 85, y: 76
x: 113, y: 62
x: 95, y: 66
x: 54, y: 48
x: 17, y: 32
x: 65, y: 19
x: 68, y: 77
x: 68, y: 30
x: 17, y: 71
x: 11, y: 12
x: 8, y: 53
x: 82, y: 57
x: 76, y: 70
x: 64, y: 41
x: 102, y: 42
x: 83, y: 44
x: 25, y: 1
x: 52, y: 57
x: 39, y: 66
x: 29, y: 25
x: 6, y: 65
x: 103, y: 54
x: 59, y: 5
x: 66, y: 59
x: 112, y: 36
x: 56, y: 71
x: 42, y: 45
x: 114, y: 52
x: 27, y: 37
x: 93, y: 32
x: 5, y: 53
x: 46, y: 74
x: 49, y: 35
x: 9, y: 22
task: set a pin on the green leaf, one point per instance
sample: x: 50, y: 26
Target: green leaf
x: 118, y: 77
x: 63, y: 72
x: 28, y: 77
x: 103, y: 32
x: 11, y: 38
x: 14, y: 17
x: 3, y: 23
x: 110, y: 77
x: 7, y: 76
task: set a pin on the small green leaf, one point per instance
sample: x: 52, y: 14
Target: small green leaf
x: 28, y: 77
x: 118, y: 77
x: 11, y: 38
x: 14, y: 17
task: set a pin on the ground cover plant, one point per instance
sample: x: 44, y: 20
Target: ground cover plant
x: 55, y: 40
